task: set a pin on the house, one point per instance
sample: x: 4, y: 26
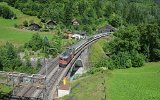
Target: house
x: 107, y: 28
x: 34, y: 27
x: 77, y: 36
x: 51, y: 24
x: 82, y: 34
x: 75, y: 22
x: 68, y: 34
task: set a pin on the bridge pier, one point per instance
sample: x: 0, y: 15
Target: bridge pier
x: 81, y: 61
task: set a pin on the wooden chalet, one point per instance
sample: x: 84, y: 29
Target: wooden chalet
x: 51, y: 24
x: 34, y: 27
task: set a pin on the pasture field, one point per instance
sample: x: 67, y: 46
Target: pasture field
x: 135, y: 83
x: 122, y: 84
x: 14, y: 35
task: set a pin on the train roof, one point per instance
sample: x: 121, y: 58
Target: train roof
x: 66, y: 53
x: 77, y: 45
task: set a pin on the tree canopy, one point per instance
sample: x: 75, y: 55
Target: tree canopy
x: 91, y: 13
x: 124, y: 48
x: 8, y: 57
x: 5, y: 12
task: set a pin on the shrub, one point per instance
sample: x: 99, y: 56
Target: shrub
x: 15, y: 25
x: 5, y: 12
x: 137, y: 60
x: 25, y: 23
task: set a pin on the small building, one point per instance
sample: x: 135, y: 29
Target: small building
x: 81, y: 34
x: 77, y: 36
x: 68, y: 34
x: 75, y: 22
x: 51, y: 24
x: 34, y: 27
x: 63, y: 90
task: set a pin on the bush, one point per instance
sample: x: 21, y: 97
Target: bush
x: 31, y: 21
x: 15, y: 25
x: 25, y: 23
x: 24, y: 69
x: 137, y: 60
x: 128, y: 63
x: 115, y: 20
x: 5, y: 12
x: 44, y: 30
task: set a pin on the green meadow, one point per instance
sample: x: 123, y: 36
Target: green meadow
x: 135, y: 83
x: 17, y: 36
x: 122, y: 84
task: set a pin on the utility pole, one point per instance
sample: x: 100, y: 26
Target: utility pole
x: 46, y: 67
x: 46, y: 86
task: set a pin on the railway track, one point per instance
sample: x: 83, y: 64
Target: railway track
x: 29, y: 90
x: 33, y: 89
x: 43, y: 71
x: 51, y: 82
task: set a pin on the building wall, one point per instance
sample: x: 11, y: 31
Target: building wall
x: 62, y: 93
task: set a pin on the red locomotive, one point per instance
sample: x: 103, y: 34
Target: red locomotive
x: 66, y: 57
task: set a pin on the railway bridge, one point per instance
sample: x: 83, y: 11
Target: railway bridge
x: 43, y: 85
x: 81, y: 61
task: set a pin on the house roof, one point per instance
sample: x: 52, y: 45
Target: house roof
x: 68, y: 32
x: 64, y: 87
x: 81, y: 33
x: 51, y: 22
x: 35, y: 25
x: 76, y: 35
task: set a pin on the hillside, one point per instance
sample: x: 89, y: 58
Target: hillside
x: 122, y: 84
x: 96, y: 51
x: 14, y: 35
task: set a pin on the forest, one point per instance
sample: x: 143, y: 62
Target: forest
x: 91, y: 14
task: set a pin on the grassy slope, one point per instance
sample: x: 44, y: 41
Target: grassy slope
x: 90, y: 88
x: 17, y: 36
x: 135, y: 83
x: 123, y: 84
x: 96, y: 52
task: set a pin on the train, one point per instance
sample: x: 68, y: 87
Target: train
x: 69, y: 53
